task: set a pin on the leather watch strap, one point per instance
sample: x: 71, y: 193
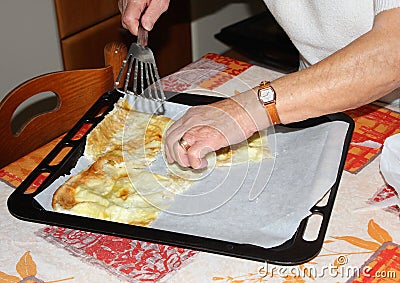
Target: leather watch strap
x: 267, y: 96
x: 273, y: 113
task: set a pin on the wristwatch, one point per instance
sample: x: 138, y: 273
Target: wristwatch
x: 267, y: 97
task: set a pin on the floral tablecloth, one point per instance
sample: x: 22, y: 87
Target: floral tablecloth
x: 362, y: 242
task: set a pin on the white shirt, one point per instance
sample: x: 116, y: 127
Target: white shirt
x: 319, y: 28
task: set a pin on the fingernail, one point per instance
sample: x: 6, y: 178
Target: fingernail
x: 147, y: 26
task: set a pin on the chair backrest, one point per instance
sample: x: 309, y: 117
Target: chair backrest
x: 76, y: 92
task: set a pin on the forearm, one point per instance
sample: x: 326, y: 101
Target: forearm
x: 360, y: 73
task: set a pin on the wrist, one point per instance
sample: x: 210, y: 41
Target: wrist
x: 256, y: 116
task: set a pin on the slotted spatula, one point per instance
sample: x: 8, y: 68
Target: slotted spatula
x: 146, y: 81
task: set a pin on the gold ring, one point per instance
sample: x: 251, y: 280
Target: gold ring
x: 184, y: 144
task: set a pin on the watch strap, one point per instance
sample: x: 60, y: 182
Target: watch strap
x: 271, y: 107
x: 273, y: 113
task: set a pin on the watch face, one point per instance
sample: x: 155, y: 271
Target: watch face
x: 266, y: 95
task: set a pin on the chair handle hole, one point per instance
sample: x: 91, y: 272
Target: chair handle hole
x: 44, y: 102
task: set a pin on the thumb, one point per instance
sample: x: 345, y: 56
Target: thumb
x: 153, y: 12
x: 148, y: 24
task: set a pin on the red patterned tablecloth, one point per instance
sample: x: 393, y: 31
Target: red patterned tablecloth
x: 372, y: 123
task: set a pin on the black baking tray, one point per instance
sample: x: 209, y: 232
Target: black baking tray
x: 22, y: 204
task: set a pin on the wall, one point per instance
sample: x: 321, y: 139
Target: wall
x: 29, y: 42
x: 209, y: 16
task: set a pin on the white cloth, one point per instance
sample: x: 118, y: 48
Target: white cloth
x: 390, y: 163
x: 319, y: 28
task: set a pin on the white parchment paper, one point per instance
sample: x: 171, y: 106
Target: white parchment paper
x: 260, y: 203
x: 222, y: 206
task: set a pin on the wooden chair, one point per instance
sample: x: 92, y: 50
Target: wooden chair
x: 76, y: 92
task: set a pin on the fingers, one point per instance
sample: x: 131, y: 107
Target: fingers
x: 174, y: 151
x: 148, y: 11
x: 201, y: 139
x: 131, y: 13
x: 153, y: 12
x: 180, y: 155
x: 185, y: 157
x: 196, y: 155
x: 206, y: 128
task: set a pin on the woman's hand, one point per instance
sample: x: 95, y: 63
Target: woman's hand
x: 148, y: 11
x: 210, y: 127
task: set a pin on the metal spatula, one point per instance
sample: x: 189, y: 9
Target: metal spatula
x: 146, y: 81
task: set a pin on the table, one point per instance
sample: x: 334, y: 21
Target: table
x: 358, y: 230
